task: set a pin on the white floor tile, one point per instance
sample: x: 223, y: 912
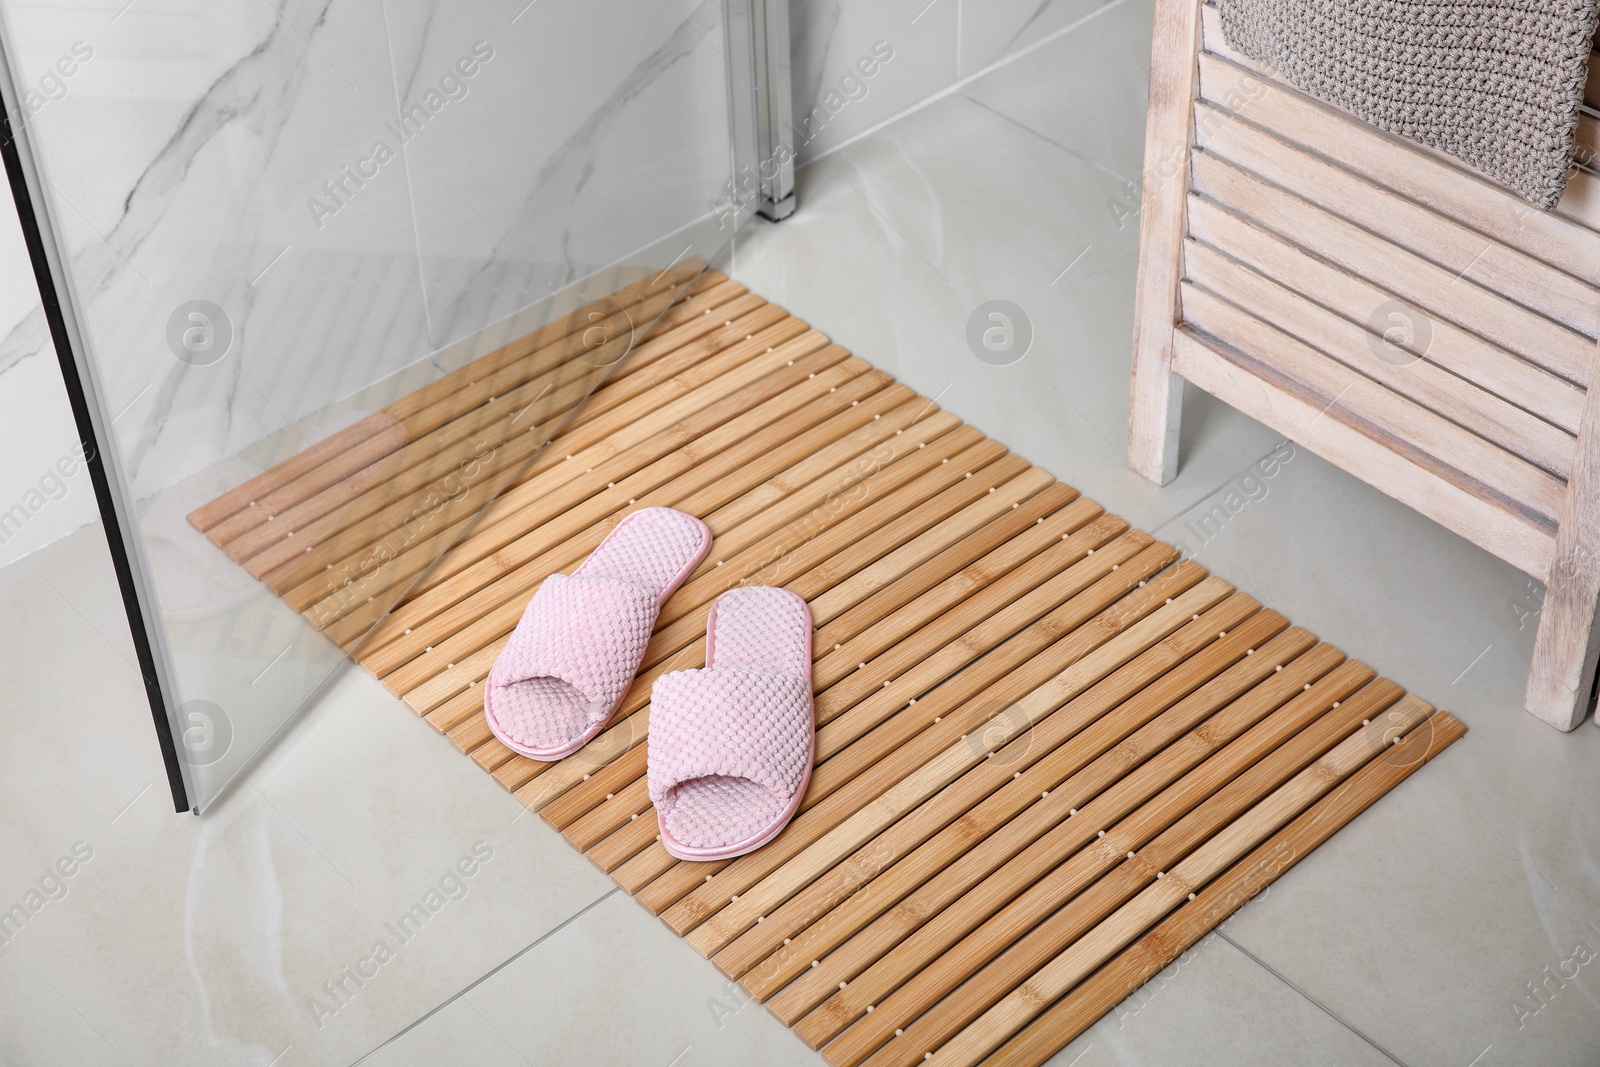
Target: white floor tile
x: 1095, y: 74
x: 906, y: 234
x: 1214, y: 1006
x: 183, y: 940
x: 1455, y: 923
x: 614, y: 987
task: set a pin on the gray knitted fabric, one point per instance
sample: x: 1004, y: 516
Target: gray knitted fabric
x: 1495, y: 83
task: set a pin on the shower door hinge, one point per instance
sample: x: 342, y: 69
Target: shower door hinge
x: 760, y: 104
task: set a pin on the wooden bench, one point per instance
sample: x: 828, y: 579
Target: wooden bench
x: 1394, y: 311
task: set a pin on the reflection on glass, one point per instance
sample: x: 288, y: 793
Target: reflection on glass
x: 342, y: 269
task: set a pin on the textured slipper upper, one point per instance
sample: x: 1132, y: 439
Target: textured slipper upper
x: 579, y: 643
x: 580, y: 640
x: 730, y: 744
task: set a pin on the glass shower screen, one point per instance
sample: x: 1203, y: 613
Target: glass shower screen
x: 325, y: 277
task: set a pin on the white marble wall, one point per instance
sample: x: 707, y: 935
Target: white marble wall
x: 188, y: 148
x: 190, y: 153
x: 912, y: 49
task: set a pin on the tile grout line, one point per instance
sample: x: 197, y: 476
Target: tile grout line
x: 498, y: 1033
x: 1298, y: 1032
x: 1156, y: 528
x: 1496, y: 826
x: 1115, y: 451
x: 1046, y: 138
x: 957, y: 86
x: 1319, y: 1004
x: 98, y: 1032
x: 491, y: 972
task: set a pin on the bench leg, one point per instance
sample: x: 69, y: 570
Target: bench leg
x: 1565, y: 650
x: 1157, y: 393
x: 1154, y: 415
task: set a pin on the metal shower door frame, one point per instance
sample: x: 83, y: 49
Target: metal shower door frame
x: 57, y: 295
x: 760, y: 106
x: 756, y: 36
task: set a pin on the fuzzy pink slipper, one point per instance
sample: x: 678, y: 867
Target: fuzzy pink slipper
x: 572, y: 657
x: 731, y: 745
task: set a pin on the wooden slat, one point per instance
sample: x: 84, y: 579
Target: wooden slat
x: 1580, y: 203
x: 536, y: 499
x: 1102, y: 830
x: 1166, y: 889
x: 1415, y: 278
x: 1153, y: 952
x: 210, y: 515
x: 943, y: 486
x: 660, y: 654
x: 859, y: 732
x: 939, y: 575
x: 1073, y: 902
x: 351, y: 479
x: 1300, y: 214
x: 1437, y: 237
x: 959, y: 557
x: 1002, y: 728
x: 1353, y: 344
x: 1427, y: 440
x: 1092, y: 621
x: 1587, y: 141
x: 1002, y: 671
x: 344, y: 511
x: 1251, y: 387
x: 844, y: 438
x: 255, y: 491
x: 1441, y: 183
x: 583, y: 816
x: 1073, y: 777
x: 639, y: 293
x: 1106, y: 794
x: 657, y: 422
x: 532, y: 526
x: 1561, y: 676
x: 868, y: 626
x: 1459, y: 351
x: 484, y: 396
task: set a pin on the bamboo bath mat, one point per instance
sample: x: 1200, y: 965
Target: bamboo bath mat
x: 1051, y: 755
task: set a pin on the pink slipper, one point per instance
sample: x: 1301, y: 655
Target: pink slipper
x: 573, y: 656
x: 731, y: 745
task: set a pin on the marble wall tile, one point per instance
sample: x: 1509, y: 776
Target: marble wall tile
x: 857, y: 64
x: 216, y: 152
x: 179, y: 163
x: 1101, y: 76
x: 997, y: 29
x: 931, y: 44
x: 584, y: 133
x: 44, y: 488
x: 257, y: 159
